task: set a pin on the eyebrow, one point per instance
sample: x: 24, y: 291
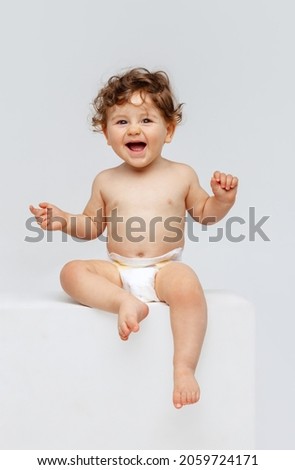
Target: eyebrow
x: 115, y: 117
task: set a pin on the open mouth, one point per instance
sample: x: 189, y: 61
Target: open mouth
x: 136, y: 146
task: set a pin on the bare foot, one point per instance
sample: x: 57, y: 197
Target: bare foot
x: 186, y: 388
x: 132, y: 312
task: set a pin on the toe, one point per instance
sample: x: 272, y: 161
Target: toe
x: 134, y: 327
x: 177, y: 400
x: 124, y: 331
x: 189, y: 398
x: 123, y: 337
x: 195, y: 397
x: 185, y: 398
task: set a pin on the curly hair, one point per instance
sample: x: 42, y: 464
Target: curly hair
x: 120, y: 88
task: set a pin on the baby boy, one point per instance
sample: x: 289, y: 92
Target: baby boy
x: 142, y: 204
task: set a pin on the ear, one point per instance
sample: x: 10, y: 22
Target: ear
x: 170, y: 132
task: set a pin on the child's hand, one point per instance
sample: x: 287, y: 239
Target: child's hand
x: 49, y: 217
x: 224, y: 187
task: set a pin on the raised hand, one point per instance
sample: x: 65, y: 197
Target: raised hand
x: 224, y: 186
x: 49, y: 217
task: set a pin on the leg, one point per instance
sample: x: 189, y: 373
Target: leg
x: 179, y: 287
x: 98, y: 284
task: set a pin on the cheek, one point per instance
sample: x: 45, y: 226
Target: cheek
x: 106, y: 135
x: 111, y: 138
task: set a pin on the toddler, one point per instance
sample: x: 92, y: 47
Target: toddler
x: 142, y: 204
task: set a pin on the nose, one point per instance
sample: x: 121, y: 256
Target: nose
x: 134, y: 129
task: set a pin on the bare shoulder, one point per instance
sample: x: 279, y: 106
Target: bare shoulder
x: 101, y: 182
x: 105, y: 176
x: 185, y: 171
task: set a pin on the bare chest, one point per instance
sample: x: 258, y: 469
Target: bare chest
x: 146, y: 197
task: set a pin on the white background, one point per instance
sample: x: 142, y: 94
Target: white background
x: 232, y: 64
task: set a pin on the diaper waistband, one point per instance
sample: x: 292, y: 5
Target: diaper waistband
x: 173, y: 255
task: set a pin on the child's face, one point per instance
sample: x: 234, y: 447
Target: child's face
x: 137, y: 131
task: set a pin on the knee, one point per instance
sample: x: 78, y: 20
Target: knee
x: 188, y: 292
x: 69, y: 274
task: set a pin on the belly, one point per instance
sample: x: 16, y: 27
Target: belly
x: 149, y: 237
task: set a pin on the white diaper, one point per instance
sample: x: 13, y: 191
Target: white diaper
x: 138, y: 274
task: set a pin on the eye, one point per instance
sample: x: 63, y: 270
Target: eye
x: 121, y: 122
x: 146, y: 120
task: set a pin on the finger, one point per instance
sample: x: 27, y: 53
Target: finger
x: 44, y: 205
x: 46, y: 224
x: 216, y: 175
x: 32, y: 209
x: 228, y: 181
x: 35, y: 210
x: 38, y: 213
x: 215, y: 185
x: 42, y: 221
x: 223, y: 180
x: 234, y: 182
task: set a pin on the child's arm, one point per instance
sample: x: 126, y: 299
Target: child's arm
x: 88, y: 225
x: 210, y: 209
